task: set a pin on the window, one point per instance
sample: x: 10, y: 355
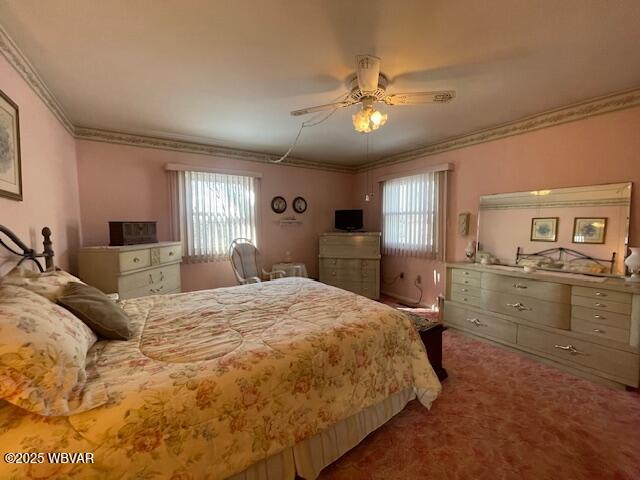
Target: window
x: 411, y: 215
x: 215, y: 209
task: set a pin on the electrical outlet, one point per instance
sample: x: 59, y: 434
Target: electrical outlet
x: 401, y: 275
x: 419, y: 279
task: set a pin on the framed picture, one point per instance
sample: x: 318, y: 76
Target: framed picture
x: 10, y: 173
x: 544, y: 229
x: 589, y: 230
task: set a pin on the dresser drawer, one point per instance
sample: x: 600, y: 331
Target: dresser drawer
x: 549, y: 291
x: 479, y: 323
x: 600, y: 330
x: 552, y: 314
x: 150, y: 282
x: 465, y: 277
x: 172, y: 253
x: 457, y: 288
x: 624, y: 366
x: 617, y: 320
x: 134, y: 259
x: 599, y: 294
x: 350, y: 246
x: 604, y: 305
x: 468, y: 299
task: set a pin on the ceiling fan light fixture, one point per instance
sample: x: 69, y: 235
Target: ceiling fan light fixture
x: 368, y: 119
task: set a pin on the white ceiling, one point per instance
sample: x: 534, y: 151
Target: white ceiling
x: 229, y: 72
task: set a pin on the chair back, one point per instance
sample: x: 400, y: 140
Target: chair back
x: 245, y: 260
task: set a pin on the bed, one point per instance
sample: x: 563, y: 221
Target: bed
x: 262, y: 381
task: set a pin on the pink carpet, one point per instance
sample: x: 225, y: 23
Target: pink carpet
x: 503, y: 416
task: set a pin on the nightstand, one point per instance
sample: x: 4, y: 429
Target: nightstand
x: 431, y: 335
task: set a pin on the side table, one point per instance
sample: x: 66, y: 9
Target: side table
x: 291, y: 269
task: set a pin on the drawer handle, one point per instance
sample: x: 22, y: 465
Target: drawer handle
x: 466, y: 282
x: 156, y: 290
x: 475, y: 321
x: 601, y: 305
x: 519, y: 285
x: 599, y: 317
x: 519, y: 306
x: 464, y: 289
x: 600, y: 294
x: 570, y: 348
x: 171, y: 253
x: 136, y: 259
x: 465, y: 273
x: 597, y: 330
x: 151, y: 279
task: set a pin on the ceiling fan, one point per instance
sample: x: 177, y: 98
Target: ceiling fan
x: 369, y: 87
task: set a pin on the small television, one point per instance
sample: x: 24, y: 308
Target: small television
x: 348, y: 220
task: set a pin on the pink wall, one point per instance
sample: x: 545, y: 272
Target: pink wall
x: 601, y: 149
x: 119, y: 182
x: 49, y: 175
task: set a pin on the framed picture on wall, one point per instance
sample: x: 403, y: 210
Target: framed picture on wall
x: 544, y: 229
x: 589, y: 230
x: 10, y: 173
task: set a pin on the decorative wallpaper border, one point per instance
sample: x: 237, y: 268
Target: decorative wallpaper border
x: 550, y: 118
x: 135, y: 140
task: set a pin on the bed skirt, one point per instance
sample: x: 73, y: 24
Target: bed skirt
x: 309, y: 457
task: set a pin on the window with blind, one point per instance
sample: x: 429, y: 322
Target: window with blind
x: 411, y: 215
x: 215, y: 210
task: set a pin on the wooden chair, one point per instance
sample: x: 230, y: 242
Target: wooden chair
x: 245, y: 261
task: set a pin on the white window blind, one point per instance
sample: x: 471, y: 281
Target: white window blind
x: 215, y: 210
x: 411, y: 215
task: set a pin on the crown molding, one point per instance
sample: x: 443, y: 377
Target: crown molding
x: 549, y: 118
x: 134, y: 140
x: 22, y: 65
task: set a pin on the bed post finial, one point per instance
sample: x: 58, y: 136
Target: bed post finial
x: 48, y: 251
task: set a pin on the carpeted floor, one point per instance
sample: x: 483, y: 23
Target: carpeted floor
x: 503, y: 416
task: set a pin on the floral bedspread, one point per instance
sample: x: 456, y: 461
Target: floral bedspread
x: 215, y: 381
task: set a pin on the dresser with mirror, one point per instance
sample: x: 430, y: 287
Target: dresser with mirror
x: 549, y: 281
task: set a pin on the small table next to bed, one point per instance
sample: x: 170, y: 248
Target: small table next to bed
x: 431, y: 334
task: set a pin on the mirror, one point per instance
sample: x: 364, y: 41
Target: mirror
x: 577, y: 229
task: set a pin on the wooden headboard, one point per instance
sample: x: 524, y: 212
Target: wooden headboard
x: 19, y: 248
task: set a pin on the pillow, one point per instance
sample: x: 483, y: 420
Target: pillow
x: 43, y: 350
x: 48, y: 284
x: 96, y: 310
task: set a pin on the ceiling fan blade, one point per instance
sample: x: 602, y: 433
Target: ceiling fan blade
x: 368, y: 71
x: 319, y: 108
x: 415, y: 98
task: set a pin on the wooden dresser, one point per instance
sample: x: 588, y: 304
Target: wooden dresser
x: 351, y: 261
x: 591, y: 328
x: 133, y: 270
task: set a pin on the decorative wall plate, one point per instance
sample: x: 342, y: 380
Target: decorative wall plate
x: 278, y: 204
x: 299, y: 205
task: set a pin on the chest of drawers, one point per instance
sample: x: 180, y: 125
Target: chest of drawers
x: 351, y: 261
x: 589, y: 327
x: 133, y: 271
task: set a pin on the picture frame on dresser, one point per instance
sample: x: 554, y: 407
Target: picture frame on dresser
x: 10, y: 156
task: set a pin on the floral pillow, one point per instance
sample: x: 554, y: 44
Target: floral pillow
x: 43, y: 350
x: 48, y: 284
